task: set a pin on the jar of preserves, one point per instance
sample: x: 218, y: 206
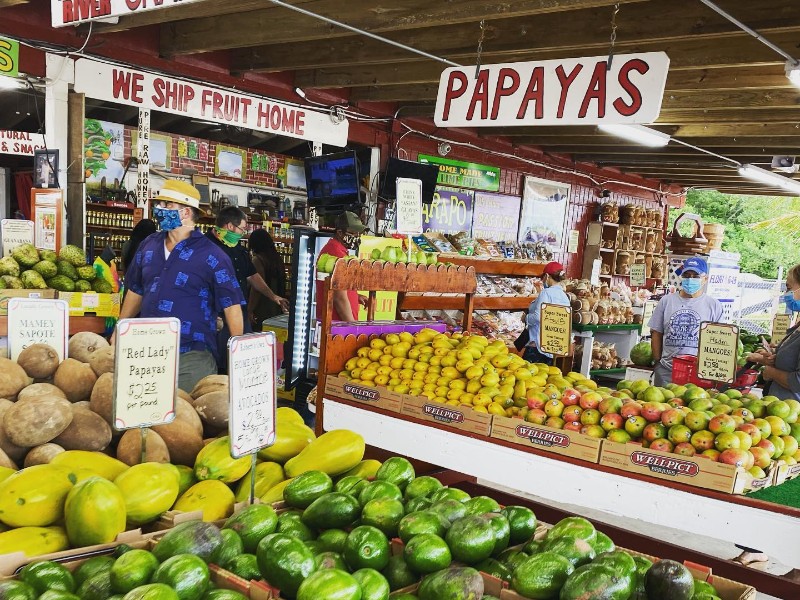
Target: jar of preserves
x: 623, y: 263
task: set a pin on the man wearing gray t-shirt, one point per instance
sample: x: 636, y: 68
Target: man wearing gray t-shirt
x: 675, y: 324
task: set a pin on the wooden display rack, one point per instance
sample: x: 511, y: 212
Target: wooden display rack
x: 372, y: 277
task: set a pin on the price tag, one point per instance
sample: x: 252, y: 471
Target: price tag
x: 34, y: 321
x: 145, y: 372
x: 716, y: 356
x: 638, y: 275
x: 555, y: 333
x: 251, y: 423
x: 780, y: 325
x: 15, y: 232
x: 649, y: 309
x: 574, y: 238
x: 594, y: 278
x: 409, y: 206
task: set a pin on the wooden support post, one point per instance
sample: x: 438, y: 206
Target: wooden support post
x: 76, y: 201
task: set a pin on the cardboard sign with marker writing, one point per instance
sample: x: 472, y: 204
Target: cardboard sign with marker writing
x: 716, y: 356
x: 145, y: 372
x: 780, y: 325
x: 33, y: 321
x: 555, y: 333
x: 251, y: 389
x: 638, y: 274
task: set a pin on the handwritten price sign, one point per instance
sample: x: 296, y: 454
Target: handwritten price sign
x: 409, y: 206
x: 252, y: 392
x: 145, y: 372
x: 716, y: 356
x: 555, y: 333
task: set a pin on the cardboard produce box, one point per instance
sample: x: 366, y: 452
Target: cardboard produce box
x: 91, y: 303
x: 457, y: 417
x: 691, y: 470
x: 547, y: 439
x: 379, y: 397
x: 783, y: 472
x: 6, y: 295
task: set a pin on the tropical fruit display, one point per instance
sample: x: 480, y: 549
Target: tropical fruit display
x: 391, y: 254
x: 66, y: 271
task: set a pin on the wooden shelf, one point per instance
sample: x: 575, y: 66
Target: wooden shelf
x: 618, y: 327
x: 457, y: 302
x: 99, y: 206
x: 496, y: 266
x: 601, y: 372
x: 370, y: 275
x: 109, y: 228
x: 76, y: 325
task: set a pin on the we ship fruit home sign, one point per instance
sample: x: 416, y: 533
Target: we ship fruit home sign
x: 76, y: 12
x: 571, y: 91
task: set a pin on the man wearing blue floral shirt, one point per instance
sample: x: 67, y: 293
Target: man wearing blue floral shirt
x: 178, y: 272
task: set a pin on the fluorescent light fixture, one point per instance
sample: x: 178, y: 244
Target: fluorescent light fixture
x: 769, y: 178
x: 637, y: 133
x: 793, y: 72
x: 10, y: 83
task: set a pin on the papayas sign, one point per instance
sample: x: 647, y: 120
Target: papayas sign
x: 9, y: 57
x: 75, y: 12
x: 573, y: 91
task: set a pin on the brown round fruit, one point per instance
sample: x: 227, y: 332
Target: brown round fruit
x: 39, y: 361
x: 83, y: 344
x: 76, y: 379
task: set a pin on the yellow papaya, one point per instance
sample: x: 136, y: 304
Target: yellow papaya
x: 34, y: 497
x: 275, y: 493
x: 284, y: 414
x: 5, y: 473
x: 187, y: 478
x: 149, y: 489
x: 94, y: 512
x: 333, y: 453
x: 214, y: 461
x: 366, y: 469
x: 268, y: 475
x: 100, y: 464
x: 213, y: 497
x: 34, y: 541
x: 290, y: 440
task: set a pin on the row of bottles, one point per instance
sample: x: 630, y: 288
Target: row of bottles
x: 99, y: 218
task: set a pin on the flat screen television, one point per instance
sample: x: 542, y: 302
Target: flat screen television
x: 397, y: 167
x: 332, y: 179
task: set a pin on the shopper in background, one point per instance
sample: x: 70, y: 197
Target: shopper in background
x: 143, y: 229
x: 269, y: 265
x: 782, y: 364
x: 675, y: 324
x: 552, y: 293
x: 348, y: 230
x: 179, y: 272
x: 230, y: 227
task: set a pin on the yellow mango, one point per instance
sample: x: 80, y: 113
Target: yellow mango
x: 212, y: 497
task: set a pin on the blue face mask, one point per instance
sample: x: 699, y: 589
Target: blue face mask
x: 168, y: 219
x: 691, y: 285
x: 792, y: 304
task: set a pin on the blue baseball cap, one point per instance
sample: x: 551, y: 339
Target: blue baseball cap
x: 696, y: 264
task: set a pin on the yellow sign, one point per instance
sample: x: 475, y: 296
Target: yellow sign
x: 779, y: 327
x: 9, y: 57
x: 385, y: 302
x: 716, y: 356
x: 555, y: 333
x: 145, y: 372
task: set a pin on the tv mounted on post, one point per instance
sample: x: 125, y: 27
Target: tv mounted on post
x: 332, y: 181
x: 396, y: 167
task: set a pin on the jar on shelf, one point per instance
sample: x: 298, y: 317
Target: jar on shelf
x: 623, y: 263
x: 654, y: 218
x: 651, y: 244
x: 627, y: 214
x: 637, y: 239
x: 609, y: 212
x: 657, y: 270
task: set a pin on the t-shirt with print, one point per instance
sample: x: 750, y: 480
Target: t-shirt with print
x: 195, y: 283
x: 679, y: 318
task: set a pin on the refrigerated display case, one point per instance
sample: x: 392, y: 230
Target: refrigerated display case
x: 302, y: 359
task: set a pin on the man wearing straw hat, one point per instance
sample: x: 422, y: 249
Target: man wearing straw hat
x: 178, y: 272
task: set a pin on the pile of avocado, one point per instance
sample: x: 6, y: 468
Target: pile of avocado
x: 66, y: 271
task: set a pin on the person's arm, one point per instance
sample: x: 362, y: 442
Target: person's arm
x: 257, y: 283
x: 233, y: 318
x: 657, y: 344
x: 341, y: 304
x: 252, y: 303
x: 131, y: 306
x: 787, y: 379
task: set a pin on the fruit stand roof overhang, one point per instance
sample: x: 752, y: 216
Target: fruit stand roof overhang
x: 726, y: 91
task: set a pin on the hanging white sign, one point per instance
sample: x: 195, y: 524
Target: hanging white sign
x: 570, y: 91
x: 143, y: 157
x: 114, y: 83
x: 20, y: 143
x: 75, y: 12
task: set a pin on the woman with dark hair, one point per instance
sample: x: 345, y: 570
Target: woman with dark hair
x: 143, y: 229
x: 552, y: 293
x: 269, y: 265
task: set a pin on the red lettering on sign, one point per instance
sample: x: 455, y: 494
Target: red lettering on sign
x: 504, y: 90
x: 534, y: 93
x: 634, y: 92
x: 78, y: 10
x: 453, y: 92
x: 205, y: 101
x: 246, y: 102
x: 565, y: 81
x: 133, y: 4
x: 596, y: 91
x: 480, y: 94
x: 300, y: 123
x: 127, y: 85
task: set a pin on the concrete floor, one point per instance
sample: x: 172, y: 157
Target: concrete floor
x: 720, y: 549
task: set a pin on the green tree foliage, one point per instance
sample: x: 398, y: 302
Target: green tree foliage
x: 763, y: 229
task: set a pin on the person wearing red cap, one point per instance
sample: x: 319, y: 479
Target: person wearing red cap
x: 552, y: 293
